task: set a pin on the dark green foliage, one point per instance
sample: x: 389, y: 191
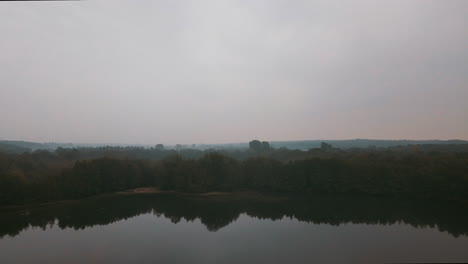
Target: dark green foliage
x: 424, y: 173
x: 325, y: 146
x: 258, y: 146
x: 160, y: 146
x: 255, y: 145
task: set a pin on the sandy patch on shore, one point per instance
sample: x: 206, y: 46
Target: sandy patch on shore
x: 142, y: 190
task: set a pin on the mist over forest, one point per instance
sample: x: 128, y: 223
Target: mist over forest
x: 25, y: 146
x: 423, y: 171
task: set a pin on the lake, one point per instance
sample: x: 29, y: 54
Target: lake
x: 234, y: 228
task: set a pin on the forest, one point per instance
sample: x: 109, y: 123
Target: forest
x: 431, y: 172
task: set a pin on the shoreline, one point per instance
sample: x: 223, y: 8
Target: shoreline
x: 239, y: 194
x: 243, y: 194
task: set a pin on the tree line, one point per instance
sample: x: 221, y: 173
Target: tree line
x: 76, y: 173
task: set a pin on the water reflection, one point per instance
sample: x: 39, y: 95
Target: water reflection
x: 218, y: 211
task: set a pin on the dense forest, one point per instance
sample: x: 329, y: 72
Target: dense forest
x: 420, y: 171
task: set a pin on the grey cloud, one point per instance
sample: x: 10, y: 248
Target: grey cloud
x: 227, y: 71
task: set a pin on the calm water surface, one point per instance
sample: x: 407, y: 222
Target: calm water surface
x: 169, y: 229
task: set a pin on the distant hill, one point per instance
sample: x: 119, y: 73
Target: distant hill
x: 343, y: 144
x: 8, y: 147
x: 359, y: 143
x: 25, y: 146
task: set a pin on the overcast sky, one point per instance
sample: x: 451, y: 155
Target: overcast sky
x: 229, y: 71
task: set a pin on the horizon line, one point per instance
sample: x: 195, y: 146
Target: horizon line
x: 224, y: 143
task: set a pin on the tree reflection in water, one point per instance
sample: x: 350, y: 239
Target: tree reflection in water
x: 219, y: 210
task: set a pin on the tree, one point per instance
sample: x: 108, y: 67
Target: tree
x: 325, y: 146
x: 265, y: 145
x: 160, y: 146
x: 258, y: 146
x: 255, y: 145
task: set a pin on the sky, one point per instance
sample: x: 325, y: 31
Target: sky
x: 147, y: 71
